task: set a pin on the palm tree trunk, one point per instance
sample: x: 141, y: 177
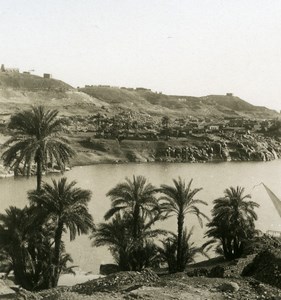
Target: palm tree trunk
x: 19, y: 267
x: 39, y: 172
x: 57, y: 253
x: 179, y: 247
x: 136, y: 225
x: 136, y: 237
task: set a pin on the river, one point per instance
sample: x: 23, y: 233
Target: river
x: 213, y: 177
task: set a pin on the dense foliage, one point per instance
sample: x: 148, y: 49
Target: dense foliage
x: 168, y: 251
x: 26, y: 244
x: 135, y: 209
x: 65, y: 206
x: 232, y: 222
x: 31, y: 238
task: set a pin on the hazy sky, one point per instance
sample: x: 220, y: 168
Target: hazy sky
x: 188, y: 47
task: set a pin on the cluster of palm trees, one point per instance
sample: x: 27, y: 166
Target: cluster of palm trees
x: 31, y: 239
x: 233, y: 223
x: 134, y: 211
x: 130, y: 233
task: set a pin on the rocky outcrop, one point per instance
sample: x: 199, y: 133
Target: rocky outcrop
x: 253, y: 150
x: 266, y: 267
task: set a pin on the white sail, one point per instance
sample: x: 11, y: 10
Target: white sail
x: 276, y: 201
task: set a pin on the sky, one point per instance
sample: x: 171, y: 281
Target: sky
x: 180, y: 47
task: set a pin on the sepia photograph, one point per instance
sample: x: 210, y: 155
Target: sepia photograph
x: 140, y: 149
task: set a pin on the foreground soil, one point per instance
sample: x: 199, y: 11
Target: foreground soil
x: 215, y: 279
x: 180, y: 286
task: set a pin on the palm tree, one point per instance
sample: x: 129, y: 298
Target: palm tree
x: 165, y: 124
x: 135, y: 201
x: 165, y: 121
x: 233, y: 221
x: 13, y: 236
x: 136, y: 198
x: 128, y: 253
x: 168, y: 251
x: 37, y: 137
x: 115, y: 234
x: 179, y: 200
x: 66, y: 206
x: 27, y: 247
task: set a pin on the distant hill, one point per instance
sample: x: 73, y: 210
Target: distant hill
x: 31, y: 82
x: 158, y: 103
x: 19, y: 91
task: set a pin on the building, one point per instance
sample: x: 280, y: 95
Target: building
x: 143, y: 89
x: 47, y: 75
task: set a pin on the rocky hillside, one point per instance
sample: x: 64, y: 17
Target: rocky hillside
x: 18, y: 90
x: 158, y: 103
x: 194, y: 149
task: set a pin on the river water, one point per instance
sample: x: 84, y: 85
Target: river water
x: 214, y: 178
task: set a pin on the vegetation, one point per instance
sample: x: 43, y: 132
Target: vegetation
x: 31, y: 239
x: 233, y: 222
x: 165, y: 121
x: 137, y: 207
x: 66, y: 206
x: 168, y: 251
x: 27, y: 248
x: 115, y: 234
x: 129, y: 253
x: 179, y: 200
x: 37, y: 138
x: 136, y: 198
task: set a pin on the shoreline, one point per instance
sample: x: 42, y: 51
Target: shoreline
x: 121, y: 162
x: 93, y: 163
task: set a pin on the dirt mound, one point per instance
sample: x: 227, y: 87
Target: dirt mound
x: 116, y: 282
x: 266, y: 267
x: 220, y: 268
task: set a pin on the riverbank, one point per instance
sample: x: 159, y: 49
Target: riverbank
x: 195, y: 149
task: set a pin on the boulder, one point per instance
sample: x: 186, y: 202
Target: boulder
x: 107, y: 269
x: 5, y: 291
x: 217, y: 272
x: 229, y: 287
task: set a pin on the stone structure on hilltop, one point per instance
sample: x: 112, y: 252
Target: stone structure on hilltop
x: 9, y: 70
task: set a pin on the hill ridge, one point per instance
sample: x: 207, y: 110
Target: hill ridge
x: 27, y: 89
